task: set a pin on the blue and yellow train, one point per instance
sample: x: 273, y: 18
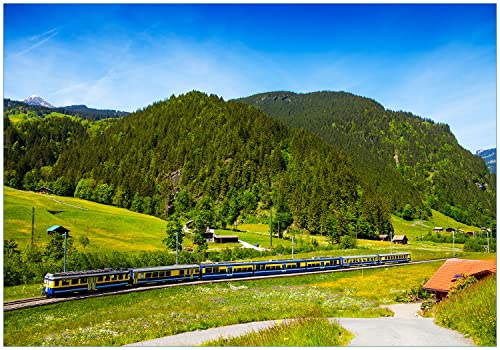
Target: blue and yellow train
x: 65, y: 283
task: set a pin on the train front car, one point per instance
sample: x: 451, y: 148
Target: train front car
x: 394, y: 258
x: 164, y: 274
x: 65, y: 283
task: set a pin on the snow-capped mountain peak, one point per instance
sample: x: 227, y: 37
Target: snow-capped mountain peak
x: 35, y: 100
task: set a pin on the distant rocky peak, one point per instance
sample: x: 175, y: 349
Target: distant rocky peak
x: 34, y: 100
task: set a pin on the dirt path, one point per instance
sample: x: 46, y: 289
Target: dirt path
x: 404, y: 329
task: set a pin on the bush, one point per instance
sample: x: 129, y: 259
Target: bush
x: 348, y: 242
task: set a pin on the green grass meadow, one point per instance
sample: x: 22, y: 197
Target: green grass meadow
x: 134, y: 317
x: 108, y: 228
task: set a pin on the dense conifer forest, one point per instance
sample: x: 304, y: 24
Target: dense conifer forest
x: 416, y: 163
x: 196, y: 151
x: 333, y: 162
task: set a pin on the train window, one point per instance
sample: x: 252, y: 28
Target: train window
x: 56, y: 283
x: 64, y: 283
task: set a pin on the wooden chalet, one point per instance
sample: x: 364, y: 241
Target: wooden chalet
x: 383, y: 237
x: 43, y: 190
x: 400, y: 239
x: 451, y: 230
x: 437, y: 229
x: 444, y: 278
x: 57, y: 229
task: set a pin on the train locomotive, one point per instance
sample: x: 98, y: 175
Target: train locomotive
x: 66, y: 283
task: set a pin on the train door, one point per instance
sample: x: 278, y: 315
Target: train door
x: 229, y: 271
x: 91, y: 283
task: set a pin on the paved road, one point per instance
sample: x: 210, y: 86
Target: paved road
x: 404, y: 329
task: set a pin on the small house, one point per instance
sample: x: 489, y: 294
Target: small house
x: 437, y: 229
x: 444, y: 278
x: 209, y: 234
x: 43, y: 190
x: 400, y: 239
x: 57, y: 229
x: 451, y: 230
x: 383, y: 237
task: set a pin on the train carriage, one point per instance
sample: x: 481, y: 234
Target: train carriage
x: 226, y: 270
x: 62, y: 283
x: 163, y: 274
x: 394, y: 258
x: 324, y: 264
x: 361, y: 260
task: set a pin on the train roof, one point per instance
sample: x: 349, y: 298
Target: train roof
x: 277, y: 261
x: 165, y: 268
x: 90, y: 273
x: 360, y: 256
x: 389, y: 254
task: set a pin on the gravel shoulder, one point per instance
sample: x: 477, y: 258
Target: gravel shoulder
x: 406, y: 328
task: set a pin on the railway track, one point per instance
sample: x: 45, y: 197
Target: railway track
x: 40, y: 301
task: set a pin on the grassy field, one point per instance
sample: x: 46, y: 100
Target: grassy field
x: 134, y: 317
x: 113, y: 229
x: 302, y: 332
x: 108, y: 228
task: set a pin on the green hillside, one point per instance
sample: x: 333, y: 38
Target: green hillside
x: 109, y: 229
x: 417, y: 163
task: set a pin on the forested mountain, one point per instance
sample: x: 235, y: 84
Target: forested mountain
x: 197, y: 151
x: 490, y: 157
x: 417, y: 164
x: 12, y: 107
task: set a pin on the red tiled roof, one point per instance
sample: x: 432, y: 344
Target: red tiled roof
x: 444, y: 278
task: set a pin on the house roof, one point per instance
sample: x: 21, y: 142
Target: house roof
x: 444, y: 278
x: 57, y: 228
x: 227, y: 237
x: 398, y: 237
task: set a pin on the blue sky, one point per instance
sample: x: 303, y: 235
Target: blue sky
x: 436, y: 61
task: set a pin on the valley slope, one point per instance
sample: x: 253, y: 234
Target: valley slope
x: 416, y: 163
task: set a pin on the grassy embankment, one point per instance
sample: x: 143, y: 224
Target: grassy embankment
x: 124, y: 319
x: 301, y: 332
x: 472, y: 312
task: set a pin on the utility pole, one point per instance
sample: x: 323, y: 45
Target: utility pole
x: 488, y: 240
x: 271, y: 225
x: 421, y: 235
x: 65, y: 240
x: 390, y: 233
x: 453, y: 242
x: 33, y: 227
x: 176, y: 247
x: 293, y: 235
